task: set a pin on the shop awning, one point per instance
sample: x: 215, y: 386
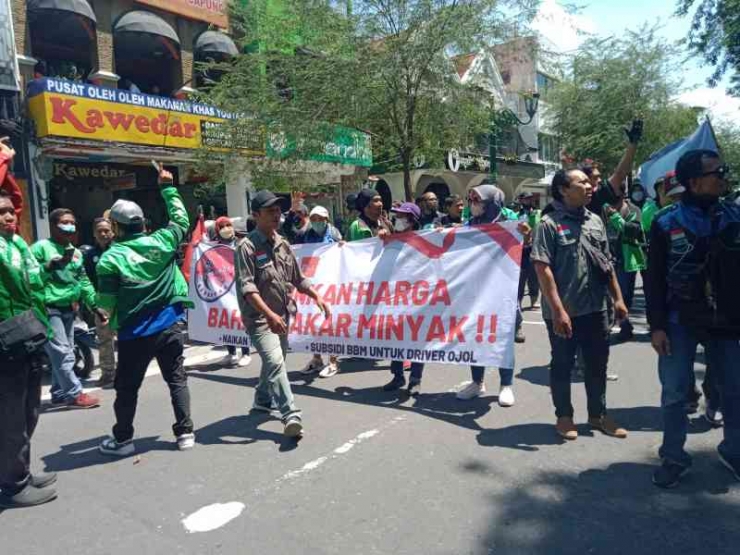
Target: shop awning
x: 139, y: 21
x: 79, y: 7
x: 215, y: 42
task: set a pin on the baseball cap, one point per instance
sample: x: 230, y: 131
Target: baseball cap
x: 408, y: 208
x: 319, y: 211
x: 671, y: 184
x: 126, y: 212
x: 263, y: 199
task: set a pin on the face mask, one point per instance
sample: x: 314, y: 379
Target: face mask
x: 319, y: 227
x: 226, y: 233
x: 477, y: 209
x: 401, y: 225
x: 67, y: 228
x: 638, y: 196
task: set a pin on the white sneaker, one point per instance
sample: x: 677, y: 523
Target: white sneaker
x: 331, y: 369
x: 185, y: 442
x: 506, y: 397
x: 471, y: 391
x: 313, y: 366
x: 246, y: 360
x: 228, y: 361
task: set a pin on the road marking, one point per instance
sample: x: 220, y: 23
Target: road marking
x: 212, y: 517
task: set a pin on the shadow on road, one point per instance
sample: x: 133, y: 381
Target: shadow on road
x: 85, y: 453
x: 242, y: 430
x: 615, y: 510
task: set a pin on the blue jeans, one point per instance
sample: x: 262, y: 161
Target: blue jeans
x: 65, y: 385
x: 627, y: 282
x: 417, y: 369
x: 506, y: 375
x: 274, y: 383
x: 677, y: 379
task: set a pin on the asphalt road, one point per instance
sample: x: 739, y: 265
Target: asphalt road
x: 379, y: 474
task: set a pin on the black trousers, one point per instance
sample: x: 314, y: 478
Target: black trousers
x: 20, y: 399
x: 528, y: 276
x: 134, y: 357
x: 591, y: 334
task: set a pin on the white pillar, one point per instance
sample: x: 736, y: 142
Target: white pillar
x: 236, y: 195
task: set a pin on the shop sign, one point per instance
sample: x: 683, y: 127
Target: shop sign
x: 72, y: 172
x: 465, y: 161
x: 211, y: 11
x: 63, y: 108
x: 346, y: 146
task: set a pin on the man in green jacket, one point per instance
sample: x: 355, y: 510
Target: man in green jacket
x: 66, y: 286
x: 143, y: 290
x: 21, y: 289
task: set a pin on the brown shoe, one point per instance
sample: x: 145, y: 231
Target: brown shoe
x: 84, y: 401
x: 607, y: 425
x: 566, y: 428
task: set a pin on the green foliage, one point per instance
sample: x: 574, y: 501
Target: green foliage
x: 728, y: 138
x: 612, y: 81
x: 715, y: 37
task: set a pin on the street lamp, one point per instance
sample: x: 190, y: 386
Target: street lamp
x: 531, y: 103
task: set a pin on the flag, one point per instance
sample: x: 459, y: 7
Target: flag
x: 197, y: 236
x: 661, y: 162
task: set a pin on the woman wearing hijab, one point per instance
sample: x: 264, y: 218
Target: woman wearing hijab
x: 487, y: 206
x: 226, y: 235
x: 370, y: 222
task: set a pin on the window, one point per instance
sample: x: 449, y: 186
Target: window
x: 548, y: 148
x: 544, y: 84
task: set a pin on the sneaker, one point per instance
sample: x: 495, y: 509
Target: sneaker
x: 607, y: 425
x: 566, y: 429
x: 185, y: 442
x: 245, y: 360
x: 43, y: 479
x: 293, y: 427
x: 395, y: 384
x: 331, y: 369
x: 612, y: 377
x: 669, y: 474
x: 506, y: 397
x: 228, y: 361
x: 471, y: 391
x: 414, y: 389
x: 312, y: 367
x: 520, y: 337
x: 84, y: 401
x: 110, y: 446
x: 406, y: 365
x: 733, y: 465
x: 714, y: 417
x: 29, y: 496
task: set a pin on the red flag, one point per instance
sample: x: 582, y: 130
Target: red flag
x: 198, y: 233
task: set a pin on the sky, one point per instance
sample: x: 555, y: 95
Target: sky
x: 612, y: 17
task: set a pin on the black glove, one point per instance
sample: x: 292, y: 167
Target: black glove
x: 634, y: 133
x: 56, y: 263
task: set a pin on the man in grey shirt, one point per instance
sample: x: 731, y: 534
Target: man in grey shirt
x: 266, y: 274
x: 571, y: 258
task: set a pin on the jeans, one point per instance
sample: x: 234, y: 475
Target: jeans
x: 106, y: 348
x: 627, y: 282
x: 274, y: 383
x: 591, y: 334
x: 134, y: 356
x: 417, y: 369
x: 677, y: 377
x: 506, y: 375
x: 20, y: 398
x: 65, y: 385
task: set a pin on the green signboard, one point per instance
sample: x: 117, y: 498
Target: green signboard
x: 347, y: 146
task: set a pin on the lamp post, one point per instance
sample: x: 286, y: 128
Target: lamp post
x: 531, y: 103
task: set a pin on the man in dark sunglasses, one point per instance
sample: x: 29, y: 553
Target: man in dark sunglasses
x: 691, y: 288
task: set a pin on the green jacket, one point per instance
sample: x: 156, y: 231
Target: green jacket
x: 632, y: 253
x: 649, y: 211
x: 21, y: 280
x: 359, y: 230
x: 139, y: 274
x: 68, y: 286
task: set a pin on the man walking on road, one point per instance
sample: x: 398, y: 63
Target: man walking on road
x: 145, y: 293
x: 66, y: 286
x: 571, y: 257
x: 691, y: 298
x: 266, y: 273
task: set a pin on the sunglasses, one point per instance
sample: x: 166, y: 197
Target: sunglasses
x: 720, y: 172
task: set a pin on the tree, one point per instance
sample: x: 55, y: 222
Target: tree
x: 728, y: 138
x: 383, y: 66
x: 611, y: 81
x: 715, y: 37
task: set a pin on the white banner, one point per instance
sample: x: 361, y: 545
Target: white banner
x: 444, y: 296
x: 216, y: 317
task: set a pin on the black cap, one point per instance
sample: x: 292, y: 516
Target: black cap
x: 263, y: 199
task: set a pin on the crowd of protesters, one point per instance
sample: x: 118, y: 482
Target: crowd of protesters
x: 581, y: 256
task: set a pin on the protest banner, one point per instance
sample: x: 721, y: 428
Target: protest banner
x: 216, y: 317
x: 445, y: 296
